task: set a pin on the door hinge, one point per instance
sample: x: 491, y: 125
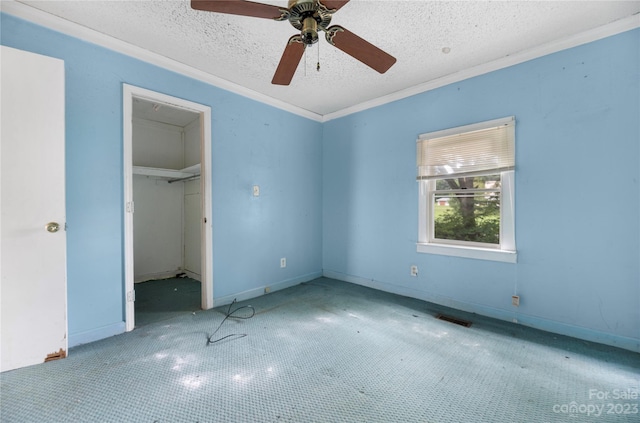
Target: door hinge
x: 131, y: 296
x: 130, y: 207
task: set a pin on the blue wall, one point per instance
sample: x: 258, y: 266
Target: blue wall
x: 342, y: 199
x: 577, y: 194
x: 252, y: 143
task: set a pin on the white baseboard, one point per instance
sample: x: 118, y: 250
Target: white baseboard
x: 157, y: 276
x: 193, y: 275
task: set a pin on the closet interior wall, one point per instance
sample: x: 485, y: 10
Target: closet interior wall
x: 167, y: 216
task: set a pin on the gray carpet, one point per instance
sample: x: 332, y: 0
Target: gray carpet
x: 329, y: 351
x: 159, y: 300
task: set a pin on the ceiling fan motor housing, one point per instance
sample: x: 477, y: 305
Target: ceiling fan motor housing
x: 307, y: 16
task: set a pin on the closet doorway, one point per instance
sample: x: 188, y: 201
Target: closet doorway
x: 168, y: 237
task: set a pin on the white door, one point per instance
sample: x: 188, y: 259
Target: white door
x: 33, y: 290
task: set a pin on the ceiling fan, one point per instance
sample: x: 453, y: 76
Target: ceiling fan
x: 307, y: 16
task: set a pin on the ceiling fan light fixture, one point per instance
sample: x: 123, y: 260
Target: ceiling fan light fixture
x: 309, y: 31
x: 308, y: 17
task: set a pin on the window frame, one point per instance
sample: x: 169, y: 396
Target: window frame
x: 503, y: 252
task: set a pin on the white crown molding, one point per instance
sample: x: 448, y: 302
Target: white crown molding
x: 56, y: 23
x: 595, y: 34
x: 64, y: 26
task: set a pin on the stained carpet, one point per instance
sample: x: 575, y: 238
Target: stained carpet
x: 329, y: 351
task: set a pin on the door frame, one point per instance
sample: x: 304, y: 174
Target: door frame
x: 129, y: 93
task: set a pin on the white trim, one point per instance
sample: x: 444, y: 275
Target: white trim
x: 206, y: 189
x: 127, y: 154
x: 129, y: 93
x: 610, y: 29
x: 507, y: 212
x: 56, y: 23
x: 469, y: 252
x: 506, y: 121
x: 157, y: 276
x: 507, y: 251
x: 193, y: 275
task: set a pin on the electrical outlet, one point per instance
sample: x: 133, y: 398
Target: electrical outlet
x: 267, y: 289
x: 515, y: 300
x: 414, y: 270
x: 283, y: 262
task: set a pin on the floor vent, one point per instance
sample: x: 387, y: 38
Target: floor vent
x: 460, y: 322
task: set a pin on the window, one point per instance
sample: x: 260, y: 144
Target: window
x: 466, y: 191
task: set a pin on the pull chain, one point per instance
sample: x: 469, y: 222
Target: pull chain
x: 318, y: 64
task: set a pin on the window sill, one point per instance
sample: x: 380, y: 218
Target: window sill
x: 469, y: 252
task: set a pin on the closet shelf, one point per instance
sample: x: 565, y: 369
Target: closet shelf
x: 167, y: 173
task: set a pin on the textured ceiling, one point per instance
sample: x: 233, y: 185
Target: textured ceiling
x: 246, y: 51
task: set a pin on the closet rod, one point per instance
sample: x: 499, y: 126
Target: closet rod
x: 185, y: 179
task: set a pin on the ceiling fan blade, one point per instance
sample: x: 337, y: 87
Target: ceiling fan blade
x: 238, y: 7
x: 360, y: 49
x: 333, y: 4
x: 289, y: 61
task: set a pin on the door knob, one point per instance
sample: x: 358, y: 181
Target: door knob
x: 52, y: 227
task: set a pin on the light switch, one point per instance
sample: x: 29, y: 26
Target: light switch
x: 256, y: 191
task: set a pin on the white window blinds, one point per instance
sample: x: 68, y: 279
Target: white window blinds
x: 467, y: 150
